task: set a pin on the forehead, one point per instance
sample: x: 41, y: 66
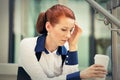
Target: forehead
x: 66, y: 22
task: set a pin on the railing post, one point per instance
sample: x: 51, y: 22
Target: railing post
x: 115, y: 49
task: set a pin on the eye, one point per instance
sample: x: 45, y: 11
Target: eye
x: 71, y: 30
x: 64, y: 29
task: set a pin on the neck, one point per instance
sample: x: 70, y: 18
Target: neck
x: 50, y: 45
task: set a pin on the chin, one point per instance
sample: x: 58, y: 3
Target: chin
x: 61, y: 44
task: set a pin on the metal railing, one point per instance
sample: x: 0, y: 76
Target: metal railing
x: 116, y: 22
x: 109, y: 16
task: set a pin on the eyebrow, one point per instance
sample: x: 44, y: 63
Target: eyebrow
x: 68, y: 27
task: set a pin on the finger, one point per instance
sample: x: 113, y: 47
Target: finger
x: 78, y: 27
x: 100, y: 72
x: 98, y: 65
x: 99, y: 76
x: 100, y: 68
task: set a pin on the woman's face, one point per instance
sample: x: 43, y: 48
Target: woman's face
x: 61, y: 32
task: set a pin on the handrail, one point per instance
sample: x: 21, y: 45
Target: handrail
x: 109, y: 16
x: 116, y: 22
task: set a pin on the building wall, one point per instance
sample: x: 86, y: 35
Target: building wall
x: 4, y: 30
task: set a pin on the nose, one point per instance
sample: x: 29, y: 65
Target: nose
x: 68, y: 34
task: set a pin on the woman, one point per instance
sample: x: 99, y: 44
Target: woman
x: 46, y: 58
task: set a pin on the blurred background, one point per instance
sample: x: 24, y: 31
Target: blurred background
x: 18, y: 21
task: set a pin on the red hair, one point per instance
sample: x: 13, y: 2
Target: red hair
x: 52, y: 15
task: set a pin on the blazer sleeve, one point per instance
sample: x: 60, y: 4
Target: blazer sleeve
x: 70, y: 67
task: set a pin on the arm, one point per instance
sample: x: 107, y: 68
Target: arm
x: 71, y: 66
x: 92, y: 71
x: 73, y: 40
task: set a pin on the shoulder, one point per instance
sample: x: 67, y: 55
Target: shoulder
x: 28, y: 41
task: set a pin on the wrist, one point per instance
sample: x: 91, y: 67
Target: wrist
x: 72, y: 47
x: 82, y: 76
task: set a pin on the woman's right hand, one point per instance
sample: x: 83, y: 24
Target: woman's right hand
x: 94, y: 71
x: 74, y: 38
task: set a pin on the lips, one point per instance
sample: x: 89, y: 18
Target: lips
x: 64, y: 40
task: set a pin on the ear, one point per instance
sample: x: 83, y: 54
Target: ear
x: 48, y: 26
